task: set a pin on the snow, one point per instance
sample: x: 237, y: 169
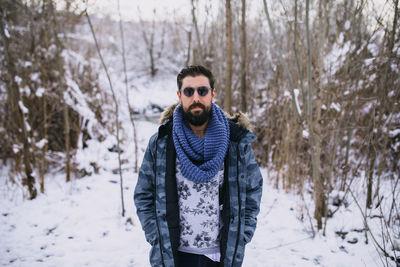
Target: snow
x: 282, y: 239
x: 6, y: 33
x: 296, y: 94
x: 372, y: 77
x: 35, y: 77
x: 335, y: 58
x: 347, y: 25
x: 335, y: 106
x: 17, y: 79
x: 76, y: 99
x: 26, y: 90
x: 394, y: 132
x: 394, y: 67
x: 16, y: 148
x: 341, y: 38
x: 41, y: 143
x: 40, y: 91
x: 80, y: 224
x: 305, y: 134
x: 373, y: 48
x: 22, y: 107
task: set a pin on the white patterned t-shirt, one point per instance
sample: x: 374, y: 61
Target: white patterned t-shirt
x: 199, y: 213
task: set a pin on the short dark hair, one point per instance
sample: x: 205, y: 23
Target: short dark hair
x: 195, y: 71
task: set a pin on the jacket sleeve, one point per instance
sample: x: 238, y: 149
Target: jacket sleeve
x: 144, y: 195
x: 253, y: 194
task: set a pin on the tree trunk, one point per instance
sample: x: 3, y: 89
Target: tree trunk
x: 43, y: 163
x: 189, y: 48
x: 150, y: 44
x: 17, y: 115
x: 345, y: 167
x: 243, y: 89
x: 372, y: 157
x: 196, y: 28
x: 67, y: 143
x: 383, y: 97
x: 314, y: 125
x: 228, y: 81
x: 153, y: 70
x: 300, y: 72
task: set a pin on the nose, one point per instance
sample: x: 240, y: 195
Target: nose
x: 196, y: 96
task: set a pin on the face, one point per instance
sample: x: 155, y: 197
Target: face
x: 196, y: 108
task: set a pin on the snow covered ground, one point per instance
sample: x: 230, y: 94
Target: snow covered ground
x: 80, y: 224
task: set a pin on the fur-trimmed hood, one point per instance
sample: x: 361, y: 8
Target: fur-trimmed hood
x: 239, y: 118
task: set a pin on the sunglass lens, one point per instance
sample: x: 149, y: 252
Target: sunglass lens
x: 188, y: 91
x: 202, y: 90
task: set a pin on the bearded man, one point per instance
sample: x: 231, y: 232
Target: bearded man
x: 199, y: 186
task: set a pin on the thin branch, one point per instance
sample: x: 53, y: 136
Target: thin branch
x: 378, y: 246
x: 287, y: 244
x: 308, y: 215
x: 309, y: 101
x: 131, y: 117
x: 116, y: 110
x: 296, y: 55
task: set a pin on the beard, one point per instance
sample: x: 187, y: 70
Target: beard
x: 197, y: 118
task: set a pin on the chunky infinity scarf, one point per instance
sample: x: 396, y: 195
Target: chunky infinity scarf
x: 201, y: 158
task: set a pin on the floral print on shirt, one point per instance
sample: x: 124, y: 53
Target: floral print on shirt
x: 199, y: 211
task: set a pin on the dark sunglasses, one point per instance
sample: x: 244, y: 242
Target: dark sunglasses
x: 189, y: 91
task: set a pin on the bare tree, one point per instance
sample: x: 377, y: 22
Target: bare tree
x: 229, y: 68
x: 311, y: 125
x: 43, y: 163
x: 149, y: 41
x: 284, y: 63
x: 200, y: 58
x: 243, y: 66
x: 18, y: 121
x: 67, y: 142
x: 189, y: 33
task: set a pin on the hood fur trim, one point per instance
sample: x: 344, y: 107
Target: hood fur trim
x: 168, y: 113
x: 239, y: 118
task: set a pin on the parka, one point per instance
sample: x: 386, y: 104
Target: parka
x: 156, y: 196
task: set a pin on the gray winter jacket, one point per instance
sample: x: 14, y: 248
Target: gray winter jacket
x: 156, y: 197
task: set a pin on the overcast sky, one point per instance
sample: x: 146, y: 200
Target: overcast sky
x: 129, y: 8
x: 166, y: 9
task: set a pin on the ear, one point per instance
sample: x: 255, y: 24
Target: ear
x: 212, y: 94
x: 179, y: 96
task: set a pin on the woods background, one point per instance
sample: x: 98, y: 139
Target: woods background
x: 318, y: 79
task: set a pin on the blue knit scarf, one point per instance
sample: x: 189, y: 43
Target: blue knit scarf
x: 201, y: 158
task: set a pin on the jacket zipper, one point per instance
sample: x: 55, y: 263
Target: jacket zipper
x: 155, y: 200
x: 239, y: 202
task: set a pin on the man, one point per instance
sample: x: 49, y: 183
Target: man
x: 199, y: 186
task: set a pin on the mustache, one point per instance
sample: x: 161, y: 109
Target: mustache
x: 195, y: 105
